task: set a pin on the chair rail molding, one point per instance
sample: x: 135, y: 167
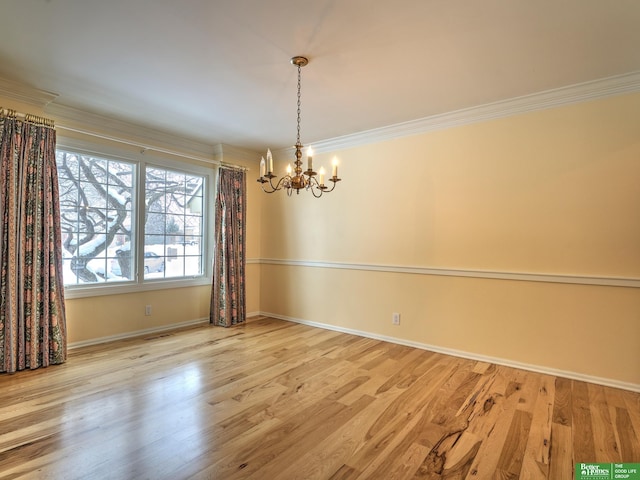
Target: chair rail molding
x: 457, y: 272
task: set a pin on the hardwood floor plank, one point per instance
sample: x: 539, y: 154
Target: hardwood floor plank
x: 535, y: 464
x: 491, y: 420
x: 561, y: 459
x: 278, y: 400
x: 562, y: 407
x: 629, y: 440
x: 344, y: 473
x: 604, y: 437
x: 630, y: 402
x: 510, y: 460
x: 582, y: 428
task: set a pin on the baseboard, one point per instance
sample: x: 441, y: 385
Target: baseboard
x: 136, y: 333
x: 147, y: 331
x: 468, y: 355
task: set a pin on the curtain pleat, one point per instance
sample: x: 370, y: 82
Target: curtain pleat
x: 32, y: 310
x: 228, y: 290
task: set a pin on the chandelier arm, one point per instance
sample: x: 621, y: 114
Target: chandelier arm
x: 314, y: 187
x: 267, y: 191
x: 335, y: 181
x: 319, y: 191
x: 278, y: 186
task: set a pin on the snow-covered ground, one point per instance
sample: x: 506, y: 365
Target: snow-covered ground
x: 185, y: 261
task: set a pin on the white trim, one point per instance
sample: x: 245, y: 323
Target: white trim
x: 22, y: 93
x: 76, y: 120
x: 146, y: 331
x: 581, y: 92
x: 456, y: 272
x: 226, y: 154
x: 119, y: 288
x: 136, y: 333
x: 117, y: 152
x: 468, y: 355
x: 89, y: 123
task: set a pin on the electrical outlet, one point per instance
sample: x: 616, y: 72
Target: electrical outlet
x: 147, y: 310
x: 395, y: 319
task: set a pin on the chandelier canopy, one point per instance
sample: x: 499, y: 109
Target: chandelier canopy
x: 297, y: 179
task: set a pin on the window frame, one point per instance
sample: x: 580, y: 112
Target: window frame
x: 144, y: 158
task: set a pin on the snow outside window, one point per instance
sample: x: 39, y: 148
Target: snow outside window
x: 100, y: 214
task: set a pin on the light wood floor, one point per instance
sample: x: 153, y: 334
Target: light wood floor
x: 279, y: 400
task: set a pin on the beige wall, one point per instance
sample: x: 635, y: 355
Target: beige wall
x: 550, y: 192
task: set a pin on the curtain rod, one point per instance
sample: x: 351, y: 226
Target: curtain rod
x: 144, y: 148
x: 231, y: 166
x: 27, y: 117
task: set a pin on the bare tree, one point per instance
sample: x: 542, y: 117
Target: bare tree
x: 96, y: 197
x: 95, y: 204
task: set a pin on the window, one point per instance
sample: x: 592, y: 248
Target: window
x: 173, y: 224
x: 125, y: 221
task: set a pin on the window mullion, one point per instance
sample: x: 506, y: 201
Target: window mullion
x: 142, y: 215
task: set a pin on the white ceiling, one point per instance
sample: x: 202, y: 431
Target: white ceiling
x: 218, y: 71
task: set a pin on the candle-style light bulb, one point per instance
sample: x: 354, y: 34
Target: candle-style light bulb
x: 263, y: 167
x: 270, y: 160
x: 321, y: 175
x: 289, y: 169
x: 309, y: 159
x: 335, y: 167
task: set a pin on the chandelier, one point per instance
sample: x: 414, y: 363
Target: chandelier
x: 297, y: 179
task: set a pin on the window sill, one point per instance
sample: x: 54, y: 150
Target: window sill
x: 72, y: 291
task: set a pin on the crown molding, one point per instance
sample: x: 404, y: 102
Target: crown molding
x: 25, y: 94
x: 231, y: 154
x: 94, y: 124
x: 558, y: 97
x: 78, y: 120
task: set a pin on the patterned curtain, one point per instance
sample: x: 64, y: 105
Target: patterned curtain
x: 32, y: 312
x: 228, y: 292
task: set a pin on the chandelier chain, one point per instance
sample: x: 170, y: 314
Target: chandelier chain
x: 298, y: 137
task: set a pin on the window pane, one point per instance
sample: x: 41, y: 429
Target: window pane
x: 121, y: 260
x: 154, y: 263
x: 175, y: 268
x: 123, y: 172
x: 93, y: 170
x: 173, y: 224
x: 155, y: 200
x: 193, y: 265
x: 96, y: 202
